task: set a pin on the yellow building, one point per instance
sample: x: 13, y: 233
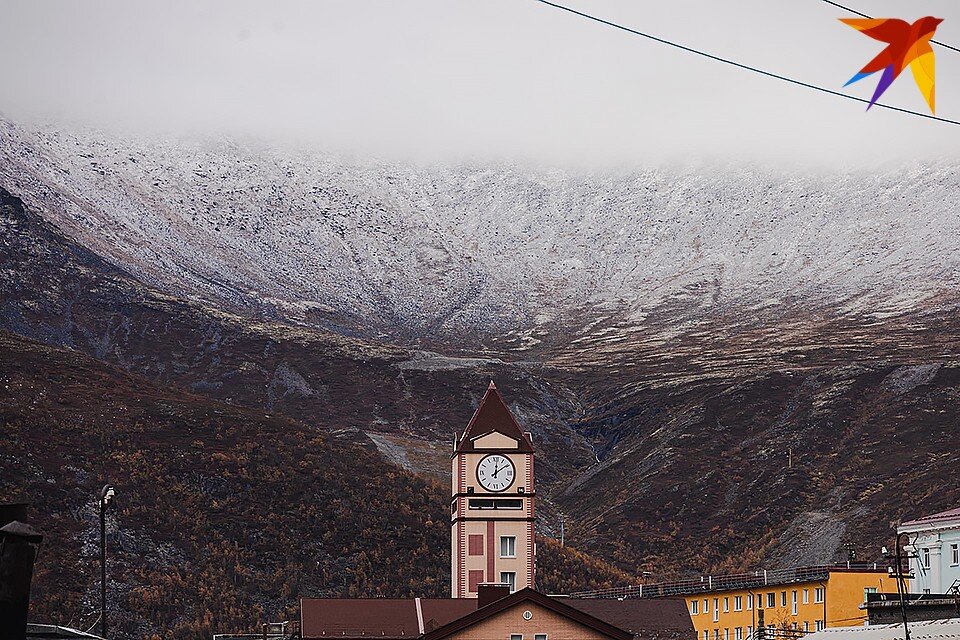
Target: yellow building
x: 805, y: 599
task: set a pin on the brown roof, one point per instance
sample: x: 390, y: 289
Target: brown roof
x: 936, y: 517
x: 396, y: 619
x: 557, y: 605
x: 646, y: 619
x: 384, y: 618
x: 493, y: 416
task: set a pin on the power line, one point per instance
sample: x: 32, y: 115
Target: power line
x: 863, y: 15
x: 769, y: 74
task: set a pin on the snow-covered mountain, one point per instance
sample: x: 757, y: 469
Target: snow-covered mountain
x: 723, y: 370
x: 512, y: 255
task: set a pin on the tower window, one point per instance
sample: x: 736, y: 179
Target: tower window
x: 508, y: 546
x: 474, y: 578
x: 487, y: 503
x: 509, y: 578
x: 475, y: 544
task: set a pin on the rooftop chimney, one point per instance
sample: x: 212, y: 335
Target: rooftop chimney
x: 490, y: 593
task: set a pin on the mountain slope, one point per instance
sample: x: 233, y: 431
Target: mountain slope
x: 499, y: 257
x: 674, y: 339
x: 224, y: 517
x: 58, y: 292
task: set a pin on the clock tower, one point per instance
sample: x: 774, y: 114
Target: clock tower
x: 491, y: 513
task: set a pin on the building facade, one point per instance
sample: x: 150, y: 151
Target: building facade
x: 805, y: 599
x: 492, y: 505
x: 934, y: 552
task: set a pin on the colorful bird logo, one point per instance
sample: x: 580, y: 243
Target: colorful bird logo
x: 907, y: 44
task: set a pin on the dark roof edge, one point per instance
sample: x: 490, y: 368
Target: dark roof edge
x: 464, y: 440
x: 528, y: 594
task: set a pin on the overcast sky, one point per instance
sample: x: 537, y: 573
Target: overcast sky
x: 503, y: 77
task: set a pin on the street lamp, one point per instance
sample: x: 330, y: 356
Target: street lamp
x: 106, y: 497
x: 901, y: 583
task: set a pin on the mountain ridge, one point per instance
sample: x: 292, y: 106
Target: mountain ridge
x: 537, y: 256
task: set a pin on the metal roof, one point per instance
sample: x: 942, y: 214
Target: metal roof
x: 731, y: 582
x: 950, y: 514
x: 925, y: 630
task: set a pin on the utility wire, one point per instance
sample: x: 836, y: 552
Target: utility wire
x: 769, y: 74
x: 863, y: 15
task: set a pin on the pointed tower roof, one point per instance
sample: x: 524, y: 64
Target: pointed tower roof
x: 493, y: 416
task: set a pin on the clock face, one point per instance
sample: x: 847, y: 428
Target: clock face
x: 496, y: 472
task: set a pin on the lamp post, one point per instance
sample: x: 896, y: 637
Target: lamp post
x: 106, y: 497
x: 901, y: 585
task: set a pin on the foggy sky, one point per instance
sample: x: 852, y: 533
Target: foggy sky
x: 481, y: 77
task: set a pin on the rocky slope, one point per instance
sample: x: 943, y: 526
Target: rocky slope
x: 224, y: 516
x: 500, y: 257
x: 720, y: 371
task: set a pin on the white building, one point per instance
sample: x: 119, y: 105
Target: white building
x: 935, y: 543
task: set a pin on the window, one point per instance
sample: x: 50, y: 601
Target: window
x: 726, y: 634
x: 738, y: 603
x: 486, y: 503
x: 516, y: 636
x: 539, y: 636
x: 749, y: 630
x: 738, y: 633
x: 694, y: 607
x: 806, y: 596
x: 806, y: 626
x: 716, y: 612
x: 793, y: 602
x: 509, y: 578
x: 783, y: 598
x: 749, y: 601
x: 771, y: 600
x: 716, y: 634
x: 474, y: 578
x: 867, y: 591
x: 818, y: 594
x: 475, y: 545
x: 955, y: 554
x: 820, y: 625
x: 925, y: 558
x: 706, y: 635
x: 726, y: 605
x: 706, y: 606
x: 508, y: 546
